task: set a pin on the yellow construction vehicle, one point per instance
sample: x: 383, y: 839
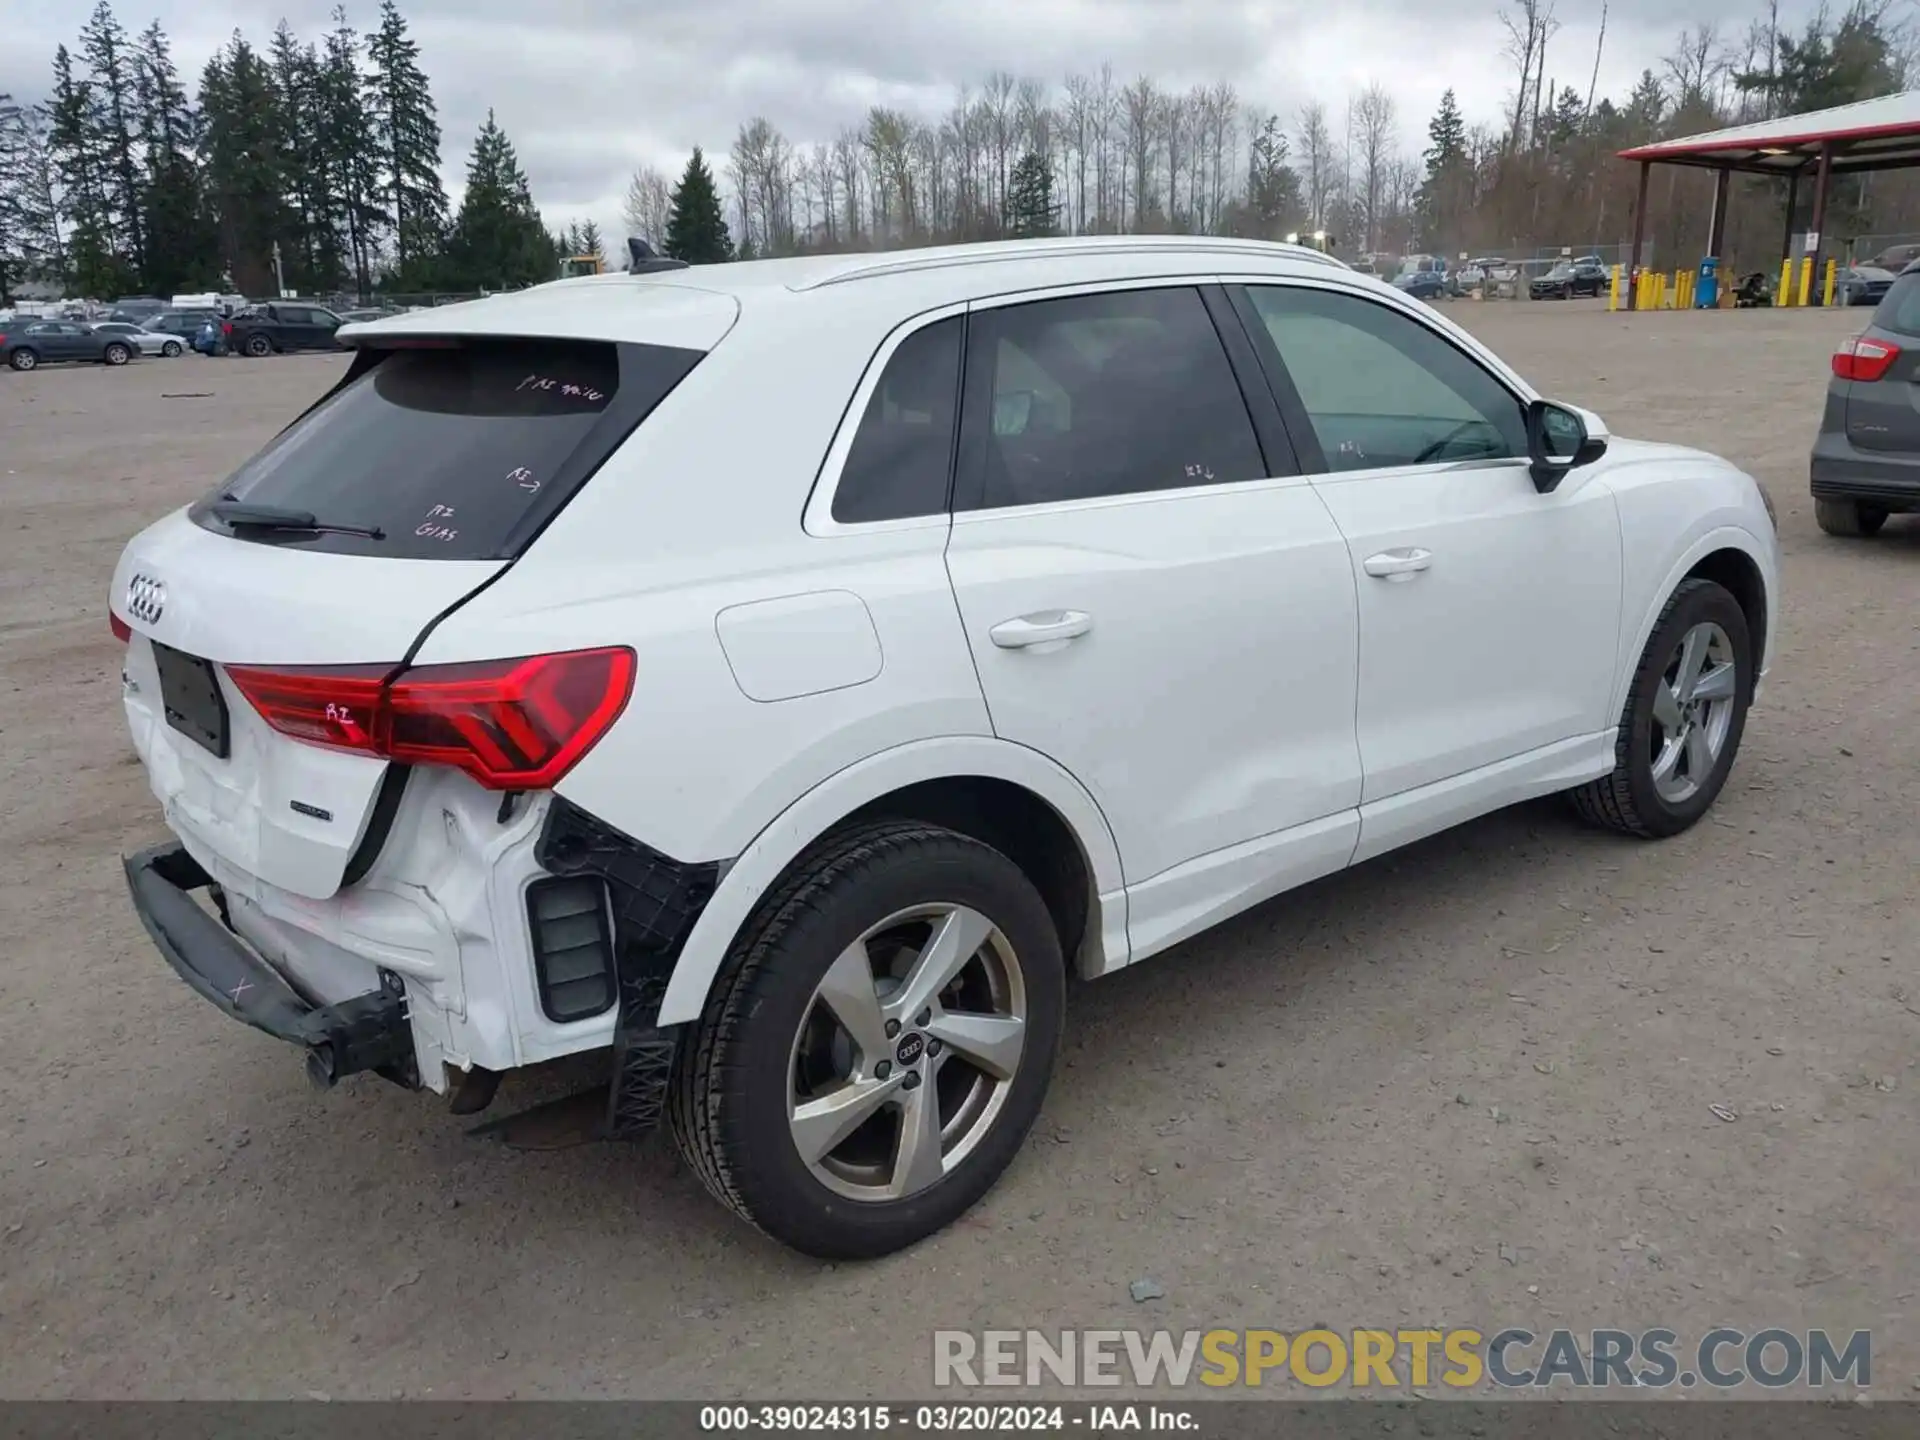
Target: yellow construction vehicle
x: 581, y: 265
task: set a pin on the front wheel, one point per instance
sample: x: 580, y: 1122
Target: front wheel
x: 170, y: 349
x: 1848, y: 518
x: 878, y: 1045
x: 1685, y: 713
x: 116, y: 355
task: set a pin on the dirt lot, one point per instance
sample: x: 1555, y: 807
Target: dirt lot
x: 1466, y: 1085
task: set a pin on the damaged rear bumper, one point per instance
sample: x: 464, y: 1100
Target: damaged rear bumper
x: 366, y: 1033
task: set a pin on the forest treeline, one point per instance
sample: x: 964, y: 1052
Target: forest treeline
x: 316, y: 163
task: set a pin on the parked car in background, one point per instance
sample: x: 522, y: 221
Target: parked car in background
x: 1423, y: 282
x: 210, y: 338
x: 1894, y: 258
x: 378, y: 312
x: 1585, y: 276
x: 281, y: 326
x: 183, y: 323
x: 1866, y: 458
x: 146, y: 342
x: 716, y: 673
x: 47, y: 342
x: 136, y: 309
x: 1861, y: 285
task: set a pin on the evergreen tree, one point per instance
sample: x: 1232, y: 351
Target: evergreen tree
x: 182, y: 245
x: 346, y: 143
x: 1030, y: 207
x: 590, y: 241
x: 408, y: 135
x: 1273, y: 190
x: 73, y: 138
x: 244, y: 162
x: 314, y: 252
x: 498, y: 240
x: 1446, y: 189
x: 697, y: 226
x: 111, y: 58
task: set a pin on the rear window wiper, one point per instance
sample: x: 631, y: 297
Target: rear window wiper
x: 246, y: 515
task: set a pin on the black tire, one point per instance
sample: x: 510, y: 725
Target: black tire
x: 170, y: 349
x: 1848, y: 517
x: 116, y: 354
x: 1627, y: 800
x: 728, y: 1106
x: 259, y: 345
x: 23, y: 359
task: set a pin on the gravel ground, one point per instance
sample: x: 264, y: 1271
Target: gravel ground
x: 1470, y: 1084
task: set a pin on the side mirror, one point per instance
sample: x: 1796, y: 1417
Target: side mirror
x: 1561, y: 438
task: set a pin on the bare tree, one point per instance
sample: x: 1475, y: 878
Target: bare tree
x: 1527, y: 35
x: 997, y: 102
x: 1695, y: 68
x: 1140, y: 105
x: 1373, y: 115
x: 1319, y: 177
x: 1077, y: 131
x: 648, y: 204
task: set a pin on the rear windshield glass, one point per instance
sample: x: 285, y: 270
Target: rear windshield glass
x: 446, y: 451
x: 1899, y: 311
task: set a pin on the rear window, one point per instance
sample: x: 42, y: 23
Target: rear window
x: 455, y: 453
x: 1899, y: 310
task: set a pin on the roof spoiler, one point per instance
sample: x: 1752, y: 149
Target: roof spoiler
x: 643, y: 259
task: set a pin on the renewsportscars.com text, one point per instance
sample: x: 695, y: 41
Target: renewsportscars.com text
x: 1368, y: 1359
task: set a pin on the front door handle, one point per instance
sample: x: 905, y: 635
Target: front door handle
x: 1398, y: 564
x: 1046, y: 627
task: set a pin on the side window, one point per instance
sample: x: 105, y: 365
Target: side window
x: 902, y: 454
x: 1382, y: 389
x: 1110, y: 394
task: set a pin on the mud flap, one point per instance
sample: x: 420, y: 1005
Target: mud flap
x: 655, y: 901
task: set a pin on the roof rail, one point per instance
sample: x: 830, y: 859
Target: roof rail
x: 997, y: 252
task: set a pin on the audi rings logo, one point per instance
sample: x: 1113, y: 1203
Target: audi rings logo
x: 146, y: 599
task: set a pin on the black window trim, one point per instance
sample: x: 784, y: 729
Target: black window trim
x: 1279, y: 457
x: 816, y: 514
x: 1286, y: 395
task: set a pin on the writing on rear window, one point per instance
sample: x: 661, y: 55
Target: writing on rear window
x: 571, y: 391
x: 454, y: 452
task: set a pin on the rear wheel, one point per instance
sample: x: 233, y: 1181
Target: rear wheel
x: 258, y: 345
x: 23, y: 359
x: 1848, y: 517
x: 116, y: 354
x: 1685, y: 713
x: 879, y: 1044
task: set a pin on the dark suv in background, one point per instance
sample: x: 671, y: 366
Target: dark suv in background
x: 1866, y: 459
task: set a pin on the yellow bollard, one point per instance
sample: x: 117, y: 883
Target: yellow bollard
x: 1786, y: 283
x: 1806, y: 280
x: 1613, y: 289
x: 1826, y: 293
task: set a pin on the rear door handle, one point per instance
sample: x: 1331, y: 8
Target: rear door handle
x: 1045, y: 627
x: 1398, y: 564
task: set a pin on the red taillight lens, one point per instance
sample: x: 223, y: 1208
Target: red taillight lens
x: 516, y: 724
x: 1864, y: 359
x: 122, y: 631
x: 226, y: 327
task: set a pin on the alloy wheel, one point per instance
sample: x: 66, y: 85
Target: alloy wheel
x: 907, y: 1052
x: 1693, y: 708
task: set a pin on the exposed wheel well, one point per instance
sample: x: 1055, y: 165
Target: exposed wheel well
x: 1017, y: 823
x: 1735, y: 572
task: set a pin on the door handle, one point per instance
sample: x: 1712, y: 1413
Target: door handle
x: 1044, y: 627
x: 1398, y: 564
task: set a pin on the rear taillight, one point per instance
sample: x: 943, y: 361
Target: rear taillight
x: 1862, y: 359
x: 122, y: 631
x: 516, y: 724
x: 226, y: 327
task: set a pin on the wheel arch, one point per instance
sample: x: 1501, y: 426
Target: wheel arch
x: 1730, y: 556
x: 1013, y: 798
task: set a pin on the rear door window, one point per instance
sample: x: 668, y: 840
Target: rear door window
x: 452, y: 453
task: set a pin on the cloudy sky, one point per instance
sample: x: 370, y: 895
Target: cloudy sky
x: 587, y: 89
